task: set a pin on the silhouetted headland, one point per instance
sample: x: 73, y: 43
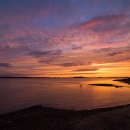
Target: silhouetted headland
x: 105, y: 84
x: 125, y: 80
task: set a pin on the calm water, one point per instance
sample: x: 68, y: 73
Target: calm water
x: 18, y: 93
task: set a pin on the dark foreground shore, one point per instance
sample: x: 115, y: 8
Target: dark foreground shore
x: 43, y: 118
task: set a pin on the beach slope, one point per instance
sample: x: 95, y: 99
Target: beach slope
x: 44, y: 118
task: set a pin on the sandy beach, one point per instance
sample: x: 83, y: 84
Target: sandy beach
x: 43, y: 118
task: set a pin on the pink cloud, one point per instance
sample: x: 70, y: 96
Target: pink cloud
x: 73, y: 64
x: 101, y: 21
x: 91, y: 69
x: 115, y: 54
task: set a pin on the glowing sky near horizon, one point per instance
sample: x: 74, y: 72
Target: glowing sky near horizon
x: 65, y: 38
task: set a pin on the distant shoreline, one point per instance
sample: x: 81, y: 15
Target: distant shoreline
x: 66, y: 77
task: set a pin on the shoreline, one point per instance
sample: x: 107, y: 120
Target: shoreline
x: 40, y: 117
x: 100, y: 109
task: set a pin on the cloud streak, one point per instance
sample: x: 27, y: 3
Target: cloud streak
x: 93, y: 69
x: 46, y: 56
x: 73, y: 64
x: 114, y: 53
x: 101, y: 21
x: 5, y: 65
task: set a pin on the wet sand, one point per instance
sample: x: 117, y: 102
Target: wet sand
x: 43, y: 118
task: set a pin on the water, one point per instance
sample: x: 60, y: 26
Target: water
x: 18, y: 93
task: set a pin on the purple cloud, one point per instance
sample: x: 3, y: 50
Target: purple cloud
x: 114, y: 53
x: 93, y: 69
x: 39, y: 53
x: 46, y: 56
x: 74, y: 47
x: 122, y: 59
x: 72, y: 64
x: 103, y: 50
x: 13, y: 75
x: 103, y: 23
x: 5, y: 65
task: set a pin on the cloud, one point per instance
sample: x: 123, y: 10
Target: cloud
x: 103, y: 50
x: 76, y: 74
x: 46, y: 56
x: 39, y: 53
x: 46, y: 30
x: 115, y: 53
x: 16, y: 11
x: 73, y: 64
x: 74, y: 47
x: 5, y: 65
x: 48, y: 60
x: 13, y: 75
x: 103, y: 23
x: 93, y: 69
x: 122, y: 59
x: 109, y: 30
x: 49, y: 11
x: 4, y: 47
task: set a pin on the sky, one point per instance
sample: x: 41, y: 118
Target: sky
x: 65, y: 38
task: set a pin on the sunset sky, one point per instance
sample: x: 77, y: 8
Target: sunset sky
x: 65, y: 38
